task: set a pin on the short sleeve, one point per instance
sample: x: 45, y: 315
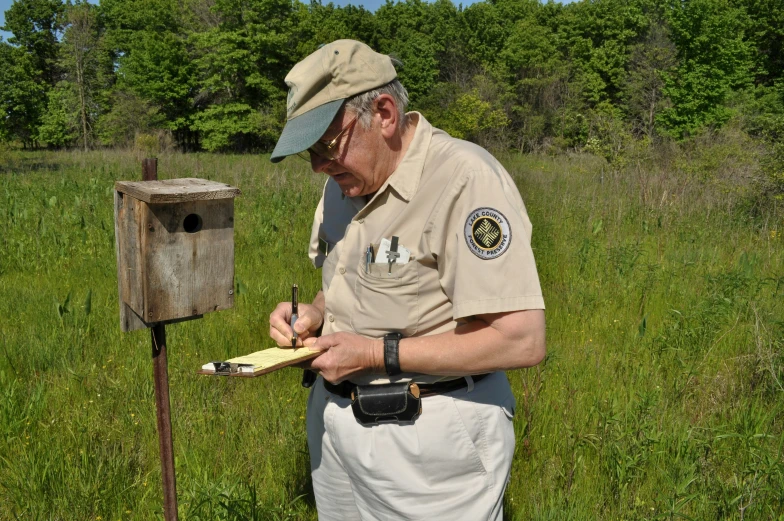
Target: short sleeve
x: 481, y: 239
x: 317, y: 256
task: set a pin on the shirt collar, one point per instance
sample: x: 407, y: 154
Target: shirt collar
x: 405, y: 179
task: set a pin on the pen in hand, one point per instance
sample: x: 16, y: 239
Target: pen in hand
x: 294, y: 315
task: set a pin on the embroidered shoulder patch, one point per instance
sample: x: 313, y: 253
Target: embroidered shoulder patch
x: 487, y: 233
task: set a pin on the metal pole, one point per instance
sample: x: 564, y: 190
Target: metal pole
x: 162, y: 404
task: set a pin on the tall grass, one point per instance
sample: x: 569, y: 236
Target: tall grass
x: 661, y: 396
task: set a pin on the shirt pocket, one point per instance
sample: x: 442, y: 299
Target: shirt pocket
x: 386, y: 302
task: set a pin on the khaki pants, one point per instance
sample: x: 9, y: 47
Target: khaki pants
x: 451, y: 464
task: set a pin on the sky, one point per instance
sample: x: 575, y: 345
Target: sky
x: 4, y: 5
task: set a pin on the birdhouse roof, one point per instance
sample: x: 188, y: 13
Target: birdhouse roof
x: 176, y: 190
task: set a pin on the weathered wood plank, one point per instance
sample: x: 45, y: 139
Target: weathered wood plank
x: 129, y: 321
x: 188, y: 273
x: 177, y: 190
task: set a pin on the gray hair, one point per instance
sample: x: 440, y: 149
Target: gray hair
x: 362, y: 104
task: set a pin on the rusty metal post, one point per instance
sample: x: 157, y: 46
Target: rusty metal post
x: 162, y: 403
x: 150, y: 169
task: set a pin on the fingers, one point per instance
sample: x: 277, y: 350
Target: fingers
x: 309, y: 320
x: 311, y: 342
x: 307, y: 323
x: 280, y: 330
x: 341, y: 358
x: 326, y: 341
x: 280, y: 327
x: 284, y: 340
x: 304, y: 324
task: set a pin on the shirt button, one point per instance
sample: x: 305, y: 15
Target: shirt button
x: 361, y: 221
x: 331, y: 318
x: 342, y: 271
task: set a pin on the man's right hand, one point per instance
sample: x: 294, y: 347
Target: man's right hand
x: 310, y: 319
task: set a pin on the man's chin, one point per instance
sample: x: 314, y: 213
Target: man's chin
x: 353, y: 191
x: 349, y: 188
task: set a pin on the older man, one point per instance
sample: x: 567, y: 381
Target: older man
x: 429, y: 292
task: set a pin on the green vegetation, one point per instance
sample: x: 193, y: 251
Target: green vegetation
x: 661, y: 396
x: 610, y: 77
x: 511, y: 74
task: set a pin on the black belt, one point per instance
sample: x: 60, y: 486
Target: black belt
x: 344, y: 389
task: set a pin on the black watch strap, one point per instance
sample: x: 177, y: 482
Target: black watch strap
x: 392, y: 353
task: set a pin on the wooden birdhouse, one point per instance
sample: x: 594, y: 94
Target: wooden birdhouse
x: 175, y: 249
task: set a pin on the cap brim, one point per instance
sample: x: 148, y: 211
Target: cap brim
x: 301, y: 132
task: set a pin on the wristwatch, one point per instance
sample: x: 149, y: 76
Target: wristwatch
x: 392, y: 353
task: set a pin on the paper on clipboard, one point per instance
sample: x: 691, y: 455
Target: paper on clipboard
x: 260, y: 362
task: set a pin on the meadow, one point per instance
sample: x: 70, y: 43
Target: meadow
x: 661, y: 397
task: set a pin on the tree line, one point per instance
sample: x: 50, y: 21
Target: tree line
x: 520, y: 74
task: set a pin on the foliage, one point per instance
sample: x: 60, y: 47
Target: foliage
x: 232, y: 126
x: 762, y: 112
x: 60, y: 124
x: 36, y: 26
x: 766, y: 35
x: 157, y: 69
x: 643, y: 90
x: 22, y: 97
x: 474, y: 114
x: 318, y: 24
x: 147, y: 144
x: 612, y: 74
x: 713, y: 58
x: 81, y: 61
x: 129, y: 115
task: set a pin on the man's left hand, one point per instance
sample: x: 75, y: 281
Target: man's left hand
x: 346, y: 355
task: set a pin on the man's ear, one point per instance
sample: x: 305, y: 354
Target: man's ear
x: 386, y: 111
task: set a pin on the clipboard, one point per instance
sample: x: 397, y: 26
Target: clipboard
x: 258, y: 363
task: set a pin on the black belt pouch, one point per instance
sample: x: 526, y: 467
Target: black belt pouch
x: 397, y: 402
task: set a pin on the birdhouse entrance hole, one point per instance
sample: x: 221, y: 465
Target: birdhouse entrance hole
x: 192, y: 223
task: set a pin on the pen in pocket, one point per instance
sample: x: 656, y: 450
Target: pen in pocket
x: 368, y: 257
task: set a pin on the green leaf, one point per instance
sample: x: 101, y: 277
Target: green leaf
x: 63, y: 307
x: 643, y: 326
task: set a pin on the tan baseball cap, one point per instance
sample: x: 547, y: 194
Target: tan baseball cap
x: 318, y: 86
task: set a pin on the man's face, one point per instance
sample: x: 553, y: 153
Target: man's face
x: 356, y: 164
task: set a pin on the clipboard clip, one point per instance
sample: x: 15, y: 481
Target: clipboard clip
x: 228, y: 368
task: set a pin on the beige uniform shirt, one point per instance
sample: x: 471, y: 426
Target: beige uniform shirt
x: 458, y: 212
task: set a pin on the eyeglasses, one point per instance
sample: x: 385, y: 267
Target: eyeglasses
x: 327, y: 150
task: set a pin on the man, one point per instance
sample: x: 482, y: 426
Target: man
x: 427, y: 276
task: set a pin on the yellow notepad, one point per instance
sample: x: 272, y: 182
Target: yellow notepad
x: 260, y: 362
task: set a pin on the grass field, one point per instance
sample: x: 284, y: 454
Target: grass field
x: 662, y: 395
